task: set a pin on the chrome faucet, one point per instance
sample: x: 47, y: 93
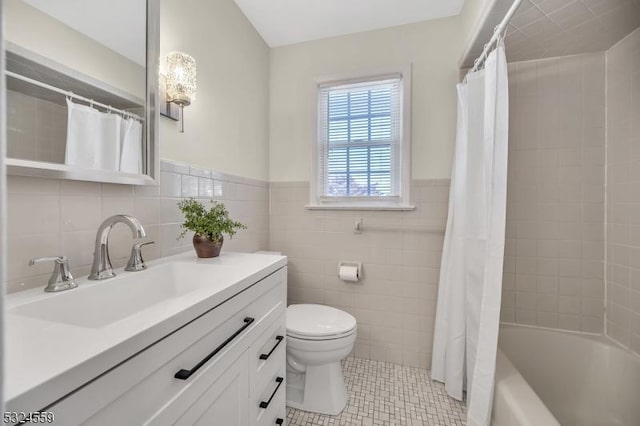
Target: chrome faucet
x: 102, y: 268
x: 61, y: 278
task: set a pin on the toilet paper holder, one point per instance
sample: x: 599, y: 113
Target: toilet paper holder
x: 358, y: 265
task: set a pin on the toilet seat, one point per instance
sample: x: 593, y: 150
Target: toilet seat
x: 320, y: 338
x: 318, y: 322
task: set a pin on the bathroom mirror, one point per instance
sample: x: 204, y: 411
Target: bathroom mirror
x: 82, y: 89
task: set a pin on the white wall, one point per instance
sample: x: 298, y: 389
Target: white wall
x: 433, y: 48
x: 54, y: 40
x: 227, y: 126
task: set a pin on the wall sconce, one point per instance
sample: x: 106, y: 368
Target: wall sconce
x: 181, y: 81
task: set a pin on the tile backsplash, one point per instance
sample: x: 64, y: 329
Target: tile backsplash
x: 395, y: 300
x: 623, y: 194
x: 49, y: 217
x: 554, y: 271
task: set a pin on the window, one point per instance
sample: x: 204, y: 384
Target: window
x: 362, y: 144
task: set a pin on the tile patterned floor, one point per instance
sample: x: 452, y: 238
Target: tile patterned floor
x: 384, y: 394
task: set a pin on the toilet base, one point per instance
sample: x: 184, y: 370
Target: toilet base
x: 320, y: 389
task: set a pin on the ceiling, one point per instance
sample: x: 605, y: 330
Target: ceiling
x: 282, y: 22
x: 118, y: 24
x: 551, y: 28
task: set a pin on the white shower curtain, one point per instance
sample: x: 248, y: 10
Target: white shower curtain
x: 469, y: 293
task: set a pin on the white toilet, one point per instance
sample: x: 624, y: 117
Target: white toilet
x: 318, y: 338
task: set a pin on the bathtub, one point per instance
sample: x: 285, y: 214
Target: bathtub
x: 548, y: 377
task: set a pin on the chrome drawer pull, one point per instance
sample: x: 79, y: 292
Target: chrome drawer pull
x: 185, y: 374
x: 279, y: 421
x: 265, y: 404
x: 266, y: 356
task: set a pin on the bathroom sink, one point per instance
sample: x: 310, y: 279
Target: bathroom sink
x: 99, y: 304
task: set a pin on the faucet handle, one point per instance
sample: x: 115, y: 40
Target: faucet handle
x: 136, y: 262
x: 61, y: 278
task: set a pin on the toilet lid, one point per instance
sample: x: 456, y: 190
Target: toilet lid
x: 318, y: 321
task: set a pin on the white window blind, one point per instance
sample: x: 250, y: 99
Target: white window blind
x: 360, y: 140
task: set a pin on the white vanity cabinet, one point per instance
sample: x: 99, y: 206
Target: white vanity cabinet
x: 226, y: 367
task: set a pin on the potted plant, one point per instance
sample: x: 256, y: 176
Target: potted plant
x: 208, y: 226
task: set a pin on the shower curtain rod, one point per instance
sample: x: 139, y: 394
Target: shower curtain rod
x: 501, y: 28
x: 73, y: 95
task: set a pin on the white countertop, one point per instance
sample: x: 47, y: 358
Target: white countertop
x: 45, y: 360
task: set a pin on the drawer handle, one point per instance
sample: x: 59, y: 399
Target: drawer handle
x: 265, y: 404
x: 266, y: 356
x: 185, y: 374
x: 279, y: 421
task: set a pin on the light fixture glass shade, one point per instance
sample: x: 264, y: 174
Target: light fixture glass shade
x: 181, y: 78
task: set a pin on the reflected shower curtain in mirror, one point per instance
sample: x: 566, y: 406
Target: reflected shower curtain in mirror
x: 131, y: 146
x: 469, y: 292
x: 93, y: 138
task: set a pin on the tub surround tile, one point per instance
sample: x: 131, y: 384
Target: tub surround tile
x: 55, y: 217
x: 623, y: 178
x: 555, y: 199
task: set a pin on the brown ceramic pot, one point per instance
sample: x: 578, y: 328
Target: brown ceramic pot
x: 206, y: 247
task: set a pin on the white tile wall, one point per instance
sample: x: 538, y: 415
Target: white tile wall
x: 623, y: 192
x: 36, y: 129
x: 50, y: 217
x: 394, y: 303
x: 555, y: 235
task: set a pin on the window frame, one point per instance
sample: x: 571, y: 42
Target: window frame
x: 402, y: 202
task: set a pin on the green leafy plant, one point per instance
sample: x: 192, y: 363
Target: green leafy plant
x: 211, y: 223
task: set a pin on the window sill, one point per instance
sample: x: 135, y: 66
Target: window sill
x: 357, y: 206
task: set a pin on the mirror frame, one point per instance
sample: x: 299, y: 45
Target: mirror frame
x: 151, y: 156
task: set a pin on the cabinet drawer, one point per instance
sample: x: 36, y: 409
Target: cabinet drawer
x: 223, y: 403
x: 268, y: 352
x: 136, y: 391
x: 278, y: 411
x: 270, y: 400
x: 267, y: 362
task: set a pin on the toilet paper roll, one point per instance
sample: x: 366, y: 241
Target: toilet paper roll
x: 348, y: 273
